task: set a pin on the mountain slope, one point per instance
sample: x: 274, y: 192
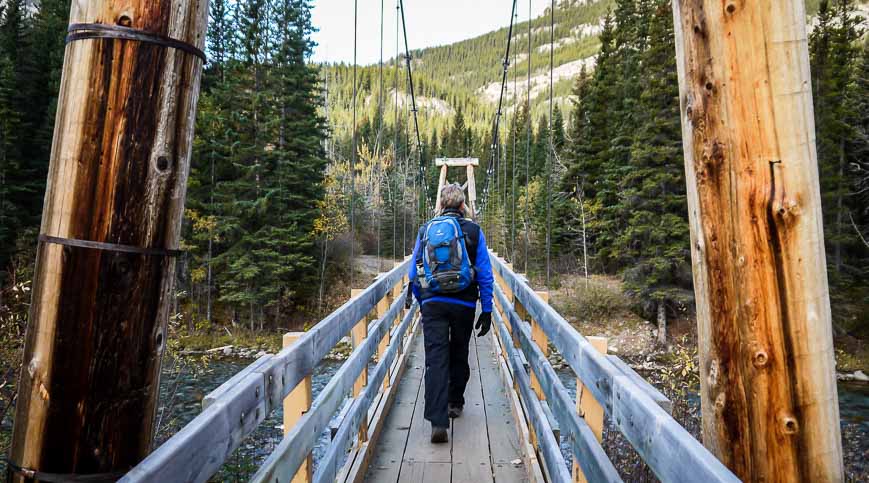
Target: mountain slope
x: 467, y: 75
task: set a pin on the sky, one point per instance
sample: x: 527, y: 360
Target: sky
x: 429, y: 23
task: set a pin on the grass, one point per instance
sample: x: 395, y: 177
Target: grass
x: 270, y: 342
x: 599, y: 299
x: 852, y: 359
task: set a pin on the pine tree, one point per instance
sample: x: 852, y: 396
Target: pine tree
x: 834, y: 54
x: 458, y: 144
x: 654, y: 246
x: 10, y: 156
x: 16, y: 194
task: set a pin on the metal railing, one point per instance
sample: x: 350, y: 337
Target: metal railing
x: 234, y: 410
x: 635, y: 408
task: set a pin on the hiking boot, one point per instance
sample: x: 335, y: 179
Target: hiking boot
x: 455, y: 410
x: 439, y: 435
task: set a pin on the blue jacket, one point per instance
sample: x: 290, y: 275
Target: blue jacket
x: 478, y: 254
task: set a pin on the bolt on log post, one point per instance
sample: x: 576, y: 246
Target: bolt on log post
x: 769, y: 401
x: 110, y: 230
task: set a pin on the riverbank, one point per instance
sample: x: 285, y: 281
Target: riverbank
x: 244, y: 345
x: 601, y: 309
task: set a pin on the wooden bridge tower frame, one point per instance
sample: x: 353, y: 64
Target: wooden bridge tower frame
x: 111, y: 227
x: 469, y: 164
x: 769, y: 400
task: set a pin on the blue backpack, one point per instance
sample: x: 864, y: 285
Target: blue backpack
x: 446, y: 267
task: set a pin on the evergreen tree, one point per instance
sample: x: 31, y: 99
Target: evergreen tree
x: 654, y: 246
x: 458, y: 144
x: 10, y: 156
x: 834, y: 54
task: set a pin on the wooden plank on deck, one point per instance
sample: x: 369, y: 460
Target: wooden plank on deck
x: 419, y: 446
x: 472, y: 461
x: 504, y: 444
x: 425, y: 472
x: 393, y: 440
x: 484, y: 442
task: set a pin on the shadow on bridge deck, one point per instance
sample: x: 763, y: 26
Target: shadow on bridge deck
x: 484, y: 444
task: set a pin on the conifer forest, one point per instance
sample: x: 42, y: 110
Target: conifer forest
x: 299, y: 179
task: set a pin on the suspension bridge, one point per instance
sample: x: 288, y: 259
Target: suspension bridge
x: 106, y: 262
x: 518, y: 411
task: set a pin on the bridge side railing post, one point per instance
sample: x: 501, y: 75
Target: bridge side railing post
x: 509, y: 292
x: 382, y: 307
x: 400, y: 286
x: 357, y: 337
x: 589, y: 408
x: 295, y: 406
x: 540, y: 339
x: 542, y: 342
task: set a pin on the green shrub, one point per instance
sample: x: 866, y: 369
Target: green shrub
x: 597, y: 298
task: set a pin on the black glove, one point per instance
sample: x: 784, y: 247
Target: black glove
x: 484, y: 323
x: 408, y: 301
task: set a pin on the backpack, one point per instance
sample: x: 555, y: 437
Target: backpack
x: 446, y: 267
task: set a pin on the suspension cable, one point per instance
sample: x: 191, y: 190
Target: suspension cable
x: 514, y: 134
x: 528, y: 140
x: 378, y: 150
x: 423, y: 182
x: 353, y: 154
x: 497, y: 121
x: 396, y: 163
x: 550, y: 152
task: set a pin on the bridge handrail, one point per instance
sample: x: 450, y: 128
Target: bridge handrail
x: 283, y: 463
x: 553, y: 459
x: 666, y: 447
x: 235, y: 409
x: 587, y: 451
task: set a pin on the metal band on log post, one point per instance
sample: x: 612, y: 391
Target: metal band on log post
x: 111, y: 222
x: 769, y: 400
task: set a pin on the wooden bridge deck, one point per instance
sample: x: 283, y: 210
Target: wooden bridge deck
x: 484, y: 443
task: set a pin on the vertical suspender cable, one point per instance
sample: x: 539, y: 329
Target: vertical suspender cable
x: 395, y: 162
x: 550, y: 154
x: 515, y: 134
x: 353, y: 154
x: 497, y: 121
x: 423, y: 182
x: 504, y: 182
x: 379, y: 151
x: 407, y: 174
x: 528, y: 140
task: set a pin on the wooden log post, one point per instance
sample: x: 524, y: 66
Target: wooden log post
x: 357, y: 337
x: 295, y: 406
x: 396, y: 293
x: 472, y: 192
x: 769, y: 401
x: 383, y: 346
x: 442, y: 180
x: 589, y: 408
x: 542, y: 342
x: 540, y: 339
x: 110, y: 232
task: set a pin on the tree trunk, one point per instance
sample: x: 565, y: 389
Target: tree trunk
x: 769, y: 401
x: 662, y: 323
x: 840, y: 210
x: 118, y: 177
x: 322, y: 276
x: 584, y: 239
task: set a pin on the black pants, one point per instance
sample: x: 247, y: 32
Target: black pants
x: 447, y: 330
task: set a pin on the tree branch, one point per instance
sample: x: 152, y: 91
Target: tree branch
x: 857, y: 229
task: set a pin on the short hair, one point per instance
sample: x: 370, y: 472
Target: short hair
x: 452, y: 197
